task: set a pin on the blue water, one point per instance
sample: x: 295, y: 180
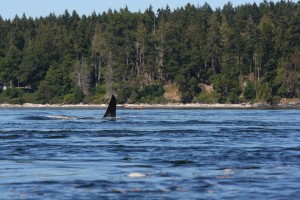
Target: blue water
x: 182, y: 154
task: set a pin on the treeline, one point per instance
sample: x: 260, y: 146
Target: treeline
x: 247, y: 53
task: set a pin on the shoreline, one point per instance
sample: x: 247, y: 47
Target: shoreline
x: 161, y: 106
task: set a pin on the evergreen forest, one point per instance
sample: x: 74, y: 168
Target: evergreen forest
x: 247, y: 53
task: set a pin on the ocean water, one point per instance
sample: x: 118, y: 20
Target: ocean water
x: 149, y: 154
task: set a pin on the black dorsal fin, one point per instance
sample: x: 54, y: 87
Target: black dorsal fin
x: 112, y: 107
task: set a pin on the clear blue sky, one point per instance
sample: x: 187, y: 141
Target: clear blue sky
x: 37, y: 8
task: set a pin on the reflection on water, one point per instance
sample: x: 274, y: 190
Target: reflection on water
x: 171, y: 154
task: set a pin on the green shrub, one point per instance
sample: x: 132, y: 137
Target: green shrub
x: 45, y: 92
x: 134, y: 97
x: 152, y: 94
x: 14, y: 92
x: 123, y: 92
x: 273, y: 100
x: 69, y: 98
x: 3, y: 98
x: 234, y: 95
x: 75, y: 97
x: 96, y: 99
x: 100, y: 89
x: 249, y: 91
x: 16, y: 101
x: 78, y: 95
x: 30, y: 97
x: 207, y: 98
x: 57, y: 100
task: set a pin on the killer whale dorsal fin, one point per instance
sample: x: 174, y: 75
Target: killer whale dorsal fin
x: 112, y: 107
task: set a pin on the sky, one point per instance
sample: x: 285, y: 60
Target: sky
x: 36, y: 8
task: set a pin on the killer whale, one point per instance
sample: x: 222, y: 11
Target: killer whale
x: 111, y: 109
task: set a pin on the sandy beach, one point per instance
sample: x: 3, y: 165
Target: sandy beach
x: 158, y: 106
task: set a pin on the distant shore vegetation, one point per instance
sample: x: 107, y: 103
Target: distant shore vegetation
x: 193, y: 54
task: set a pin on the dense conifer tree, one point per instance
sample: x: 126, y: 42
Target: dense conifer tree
x: 239, y: 51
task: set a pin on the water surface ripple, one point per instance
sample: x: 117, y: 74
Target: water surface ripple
x: 176, y: 154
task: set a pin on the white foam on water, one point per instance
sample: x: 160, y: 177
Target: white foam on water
x: 60, y: 117
x: 136, y: 175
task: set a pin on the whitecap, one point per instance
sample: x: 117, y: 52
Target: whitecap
x: 136, y: 175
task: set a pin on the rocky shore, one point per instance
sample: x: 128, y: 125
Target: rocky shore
x: 294, y: 105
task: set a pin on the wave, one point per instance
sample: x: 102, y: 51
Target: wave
x: 57, y: 117
x: 61, y: 117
